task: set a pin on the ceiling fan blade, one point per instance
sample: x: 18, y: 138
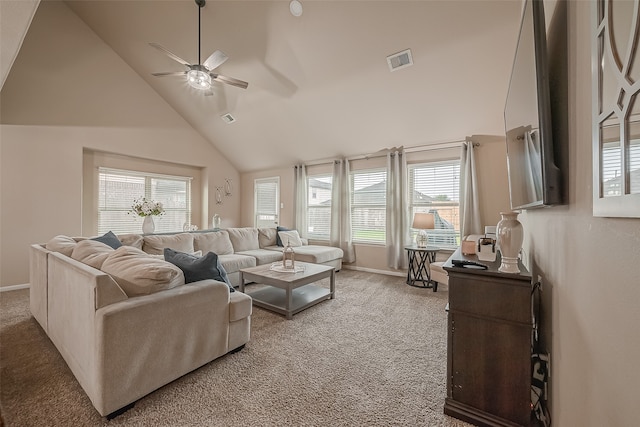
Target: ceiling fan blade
x: 170, y: 73
x: 170, y: 54
x: 216, y: 59
x: 229, y: 80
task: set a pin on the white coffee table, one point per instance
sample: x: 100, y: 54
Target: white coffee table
x: 289, y: 293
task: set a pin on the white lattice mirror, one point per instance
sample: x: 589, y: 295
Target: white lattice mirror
x: 616, y: 111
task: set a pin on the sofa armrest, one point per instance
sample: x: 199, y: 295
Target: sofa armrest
x: 38, y: 271
x: 75, y: 290
x: 105, y: 290
x: 240, y: 306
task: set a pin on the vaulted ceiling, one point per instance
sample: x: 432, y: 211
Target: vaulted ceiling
x: 319, y: 84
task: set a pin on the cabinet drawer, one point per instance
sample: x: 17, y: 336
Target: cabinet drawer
x: 505, y: 299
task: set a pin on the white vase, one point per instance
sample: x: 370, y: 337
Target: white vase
x: 510, y: 236
x: 148, y: 226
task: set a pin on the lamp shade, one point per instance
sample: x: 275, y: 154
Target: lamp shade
x: 423, y: 221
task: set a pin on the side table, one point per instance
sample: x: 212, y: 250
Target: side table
x: 418, y: 271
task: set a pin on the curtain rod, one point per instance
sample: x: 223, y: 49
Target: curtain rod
x: 412, y: 149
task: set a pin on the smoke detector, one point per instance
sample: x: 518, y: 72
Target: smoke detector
x: 228, y: 118
x: 400, y: 60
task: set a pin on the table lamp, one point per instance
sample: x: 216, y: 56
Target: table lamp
x: 422, y: 222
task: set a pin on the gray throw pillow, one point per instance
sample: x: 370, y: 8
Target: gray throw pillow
x: 198, y: 268
x: 109, y: 239
x: 278, y: 241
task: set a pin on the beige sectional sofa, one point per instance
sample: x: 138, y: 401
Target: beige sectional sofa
x: 122, y: 347
x: 137, y: 326
x: 240, y: 248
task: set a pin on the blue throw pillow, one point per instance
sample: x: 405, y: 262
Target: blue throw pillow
x: 278, y: 241
x: 198, y: 268
x: 109, y: 239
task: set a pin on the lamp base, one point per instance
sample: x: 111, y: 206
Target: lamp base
x: 422, y: 239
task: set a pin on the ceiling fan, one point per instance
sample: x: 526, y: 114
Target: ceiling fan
x: 201, y: 75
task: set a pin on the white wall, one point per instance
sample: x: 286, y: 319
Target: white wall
x: 591, y: 275
x: 68, y: 91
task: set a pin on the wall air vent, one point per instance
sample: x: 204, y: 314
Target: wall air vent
x: 228, y: 118
x: 400, y: 60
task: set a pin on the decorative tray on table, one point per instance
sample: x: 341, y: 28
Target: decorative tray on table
x: 277, y: 266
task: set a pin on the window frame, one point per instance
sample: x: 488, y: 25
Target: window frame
x: 276, y: 214
x: 149, y: 181
x: 381, y: 231
x: 310, y: 207
x: 442, y: 239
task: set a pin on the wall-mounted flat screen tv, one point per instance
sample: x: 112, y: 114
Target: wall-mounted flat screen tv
x: 534, y: 178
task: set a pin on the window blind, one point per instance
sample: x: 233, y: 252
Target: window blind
x: 612, y: 168
x: 266, y: 201
x: 319, y: 206
x: 119, y: 188
x: 368, y: 206
x: 435, y: 188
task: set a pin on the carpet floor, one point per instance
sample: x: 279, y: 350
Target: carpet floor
x: 374, y: 356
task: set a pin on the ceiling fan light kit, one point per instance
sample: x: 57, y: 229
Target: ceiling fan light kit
x: 201, y: 76
x: 199, y: 79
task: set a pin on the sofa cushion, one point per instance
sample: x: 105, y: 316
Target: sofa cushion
x: 217, y: 241
x: 62, y: 244
x: 244, y: 239
x: 291, y: 238
x: 198, y: 268
x: 134, y: 240
x: 267, y: 237
x: 91, y: 252
x: 278, y: 241
x: 234, y: 262
x: 263, y: 256
x: 196, y: 253
x: 317, y: 254
x: 109, y: 239
x: 155, y: 244
x: 139, y: 274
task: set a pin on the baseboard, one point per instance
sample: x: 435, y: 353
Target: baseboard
x: 374, y: 270
x: 14, y: 287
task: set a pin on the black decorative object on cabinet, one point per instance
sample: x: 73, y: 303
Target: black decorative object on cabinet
x: 489, y: 344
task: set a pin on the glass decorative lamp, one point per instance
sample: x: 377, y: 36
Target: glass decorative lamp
x: 423, y: 222
x: 215, y: 222
x: 288, y: 257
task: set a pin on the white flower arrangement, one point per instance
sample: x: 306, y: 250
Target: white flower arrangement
x: 144, y: 207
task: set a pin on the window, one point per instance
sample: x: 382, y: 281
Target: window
x: 434, y: 188
x: 368, y: 206
x: 266, y: 201
x: 119, y: 188
x: 612, y: 168
x: 319, y: 206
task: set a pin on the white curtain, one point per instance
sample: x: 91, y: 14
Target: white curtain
x: 469, y: 203
x: 300, y: 200
x: 397, y: 209
x: 340, y: 233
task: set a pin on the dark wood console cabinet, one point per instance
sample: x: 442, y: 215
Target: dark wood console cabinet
x: 489, y: 345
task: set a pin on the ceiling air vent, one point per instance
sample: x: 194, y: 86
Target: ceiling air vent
x: 400, y: 60
x: 228, y: 118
